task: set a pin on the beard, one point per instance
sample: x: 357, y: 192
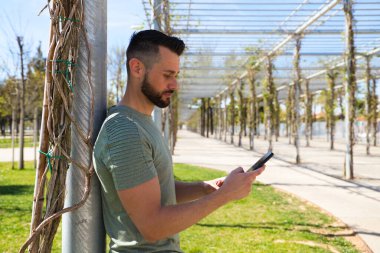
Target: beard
x: 155, y: 96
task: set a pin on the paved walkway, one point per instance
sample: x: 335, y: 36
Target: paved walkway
x: 356, y: 203
x: 6, y: 154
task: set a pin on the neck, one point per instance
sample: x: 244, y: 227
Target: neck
x: 135, y: 99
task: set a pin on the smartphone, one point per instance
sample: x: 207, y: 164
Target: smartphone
x: 261, y: 162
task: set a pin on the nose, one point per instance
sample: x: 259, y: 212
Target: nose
x: 174, y: 84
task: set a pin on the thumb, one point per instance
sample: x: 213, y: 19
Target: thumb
x: 237, y: 170
x: 257, y: 172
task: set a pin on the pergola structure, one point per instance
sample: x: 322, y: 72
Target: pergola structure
x: 289, y: 49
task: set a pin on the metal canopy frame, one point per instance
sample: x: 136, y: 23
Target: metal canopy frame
x: 216, y: 32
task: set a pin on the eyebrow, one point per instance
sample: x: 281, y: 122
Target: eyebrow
x: 172, y: 72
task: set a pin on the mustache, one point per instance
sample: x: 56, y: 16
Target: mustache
x: 168, y: 92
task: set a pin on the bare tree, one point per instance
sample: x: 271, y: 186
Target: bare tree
x: 308, y: 113
x: 252, y: 109
x: 350, y: 88
x: 330, y: 106
x: 368, y: 101
x: 374, y: 111
x: 116, y: 66
x: 268, y: 95
x: 242, y: 115
x: 203, y: 116
x: 21, y: 91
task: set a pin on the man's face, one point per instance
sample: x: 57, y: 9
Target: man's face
x: 158, y: 98
x: 161, y: 80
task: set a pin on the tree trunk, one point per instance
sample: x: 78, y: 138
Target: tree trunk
x: 277, y: 109
x: 241, y: 111
x: 225, y: 117
x: 220, y: 121
x: 215, y: 118
x: 314, y: 117
x: 297, y: 84
x: 290, y: 113
x: 258, y: 119
x: 207, y: 113
x: 268, y: 102
x: 330, y: 105
x: 340, y: 100
x: 350, y: 90
x: 368, y: 102
x: 13, y: 134
x: 374, y: 111
x: 245, y: 116
x: 325, y: 96
x: 308, y: 113
x: 22, y: 102
x: 232, y: 110
x: 253, y: 105
x: 203, y: 117
x: 211, y: 111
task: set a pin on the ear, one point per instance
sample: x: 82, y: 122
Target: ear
x: 137, y: 68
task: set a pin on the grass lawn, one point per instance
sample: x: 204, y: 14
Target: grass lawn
x: 16, y: 196
x: 7, y: 142
x: 266, y: 221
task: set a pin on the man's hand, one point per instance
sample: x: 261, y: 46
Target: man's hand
x: 238, y: 184
x: 156, y: 222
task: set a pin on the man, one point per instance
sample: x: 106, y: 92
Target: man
x: 143, y: 207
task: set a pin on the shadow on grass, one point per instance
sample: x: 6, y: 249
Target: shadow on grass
x: 16, y: 189
x: 289, y: 226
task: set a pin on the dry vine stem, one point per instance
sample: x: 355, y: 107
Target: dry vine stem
x: 55, y: 141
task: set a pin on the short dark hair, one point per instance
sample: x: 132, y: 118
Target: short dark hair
x: 144, y: 45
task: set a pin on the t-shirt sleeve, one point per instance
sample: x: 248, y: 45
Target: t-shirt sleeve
x: 130, y: 158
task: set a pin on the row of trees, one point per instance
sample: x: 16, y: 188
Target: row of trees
x: 21, y: 93
x: 239, y: 107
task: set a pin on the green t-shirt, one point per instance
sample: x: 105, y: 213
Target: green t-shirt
x: 129, y: 151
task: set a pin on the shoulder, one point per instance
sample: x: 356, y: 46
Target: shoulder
x: 117, y: 127
x: 123, y: 130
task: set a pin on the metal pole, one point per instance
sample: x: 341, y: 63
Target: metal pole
x: 83, y: 229
x: 156, y: 25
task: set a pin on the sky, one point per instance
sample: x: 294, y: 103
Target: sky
x: 20, y: 17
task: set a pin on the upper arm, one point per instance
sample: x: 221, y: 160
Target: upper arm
x: 142, y: 203
x: 129, y: 156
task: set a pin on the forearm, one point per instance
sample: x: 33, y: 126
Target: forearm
x: 156, y: 221
x: 186, y: 191
x: 170, y: 220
